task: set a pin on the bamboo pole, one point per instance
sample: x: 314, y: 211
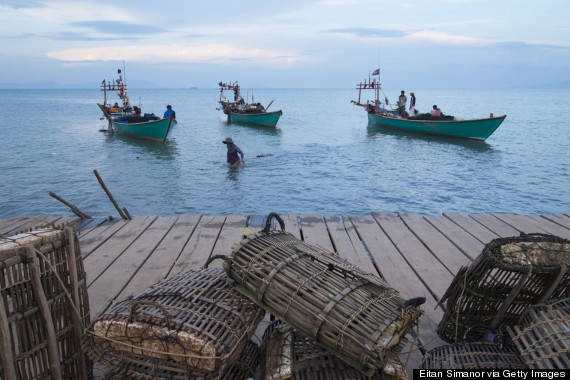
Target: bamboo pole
x: 6, y: 353
x: 53, y: 355
x: 77, y: 319
x: 121, y: 213
x: 73, y: 208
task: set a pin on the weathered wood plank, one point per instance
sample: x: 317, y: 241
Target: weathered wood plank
x: 337, y: 234
x: 230, y: 236
x: 496, y: 225
x: 473, y: 227
x: 292, y: 225
x: 159, y: 264
x: 101, y: 258
x: 99, y: 236
x: 104, y: 291
x: 88, y: 226
x: 550, y: 227
x: 462, y: 239
x: 348, y: 244
x: 437, y: 243
x: 200, y: 246
x: 12, y: 225
x: 434, y: 275
x: 315, y: 231
x: 559, y: 219
x: 401, y: 277
x: 30, y: 223
x: 521, y: 223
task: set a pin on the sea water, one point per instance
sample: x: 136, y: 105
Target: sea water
x: 323, y: 157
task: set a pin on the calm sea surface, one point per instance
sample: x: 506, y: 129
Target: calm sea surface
x: 324, y: 158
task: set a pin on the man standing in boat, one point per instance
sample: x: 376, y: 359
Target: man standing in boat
x: 402, y: 100
x: 169, y: 112
x: 235, y: 156
x: 413, y: 104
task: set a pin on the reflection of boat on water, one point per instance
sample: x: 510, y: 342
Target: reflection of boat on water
x: 240, y: 112
x: 167, y: 151
x: 449, y: 126
x: 129, y: 120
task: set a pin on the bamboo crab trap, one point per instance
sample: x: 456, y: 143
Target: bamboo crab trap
x: 139, y: 367
x: 288, y: 354
x: 473, y: 355
x: 354, y: 315
x: 192, y: 324
x: 44, y: 306
x: 543, y: 336
x: 508, y: 277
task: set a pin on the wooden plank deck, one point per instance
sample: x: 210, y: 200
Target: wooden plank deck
x: 418, y: 255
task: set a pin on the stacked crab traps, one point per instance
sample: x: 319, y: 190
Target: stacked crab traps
x: 354, y: 315
x: 189, y: 325
x: 507, y: 278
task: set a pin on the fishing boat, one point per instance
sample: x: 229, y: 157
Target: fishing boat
x: 240, y: 112
x: 129, y: 120
x: 147, y: 126
x: 444, y: 125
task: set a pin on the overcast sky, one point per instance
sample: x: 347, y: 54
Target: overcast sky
x: 286, y: 43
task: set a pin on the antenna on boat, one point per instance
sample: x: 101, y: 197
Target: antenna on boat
x: 124, y: 72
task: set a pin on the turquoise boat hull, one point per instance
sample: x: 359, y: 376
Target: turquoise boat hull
x: 266, y: 119
x: 474, y: 129
x: 155, y: 130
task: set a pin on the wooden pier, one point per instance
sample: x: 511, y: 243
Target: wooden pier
x: 417, y: 255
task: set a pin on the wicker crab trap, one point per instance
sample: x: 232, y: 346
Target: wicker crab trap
x: 473, y: 355
x: 288, y: 354
x: 43, y: 306
x: 508, y: 277
x: 543, y: 336
x: 354, y: 315
x: 192, y: 324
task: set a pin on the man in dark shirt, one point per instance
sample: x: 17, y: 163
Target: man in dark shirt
x: 235, y: 156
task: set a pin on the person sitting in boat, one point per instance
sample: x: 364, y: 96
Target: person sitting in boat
x: 402, y: 100
x: 137, y: 111
x: 169, y: 113
x: 234, y: 156
x: 436, y: 112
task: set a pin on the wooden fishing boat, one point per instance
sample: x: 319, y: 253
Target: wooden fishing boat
x: 129, y: 120
x: 240, y: 112
x: 148, y: 127
x: 425, y: 123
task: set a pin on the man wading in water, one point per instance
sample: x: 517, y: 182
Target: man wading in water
x: 235, y: 155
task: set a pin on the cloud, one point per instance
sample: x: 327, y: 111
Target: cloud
x: 525, y: 45
x: 421, y: 35
x: 209, y: 53
x: 369, y: 32
x: 446, y: 38
x: 19, y: 4
x: 71, y: 36
x: 335, y: 3
x: 119, y: 27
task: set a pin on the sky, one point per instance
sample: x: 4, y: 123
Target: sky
x: 434, y: 44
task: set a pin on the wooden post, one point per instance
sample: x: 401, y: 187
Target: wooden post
x: 53, y: 355
x: 73, y: 208
x: 121, y: 213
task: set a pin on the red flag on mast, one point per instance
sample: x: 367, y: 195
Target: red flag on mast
x: 376, y: 72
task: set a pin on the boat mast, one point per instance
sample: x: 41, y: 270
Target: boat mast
x: 104, y: 88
